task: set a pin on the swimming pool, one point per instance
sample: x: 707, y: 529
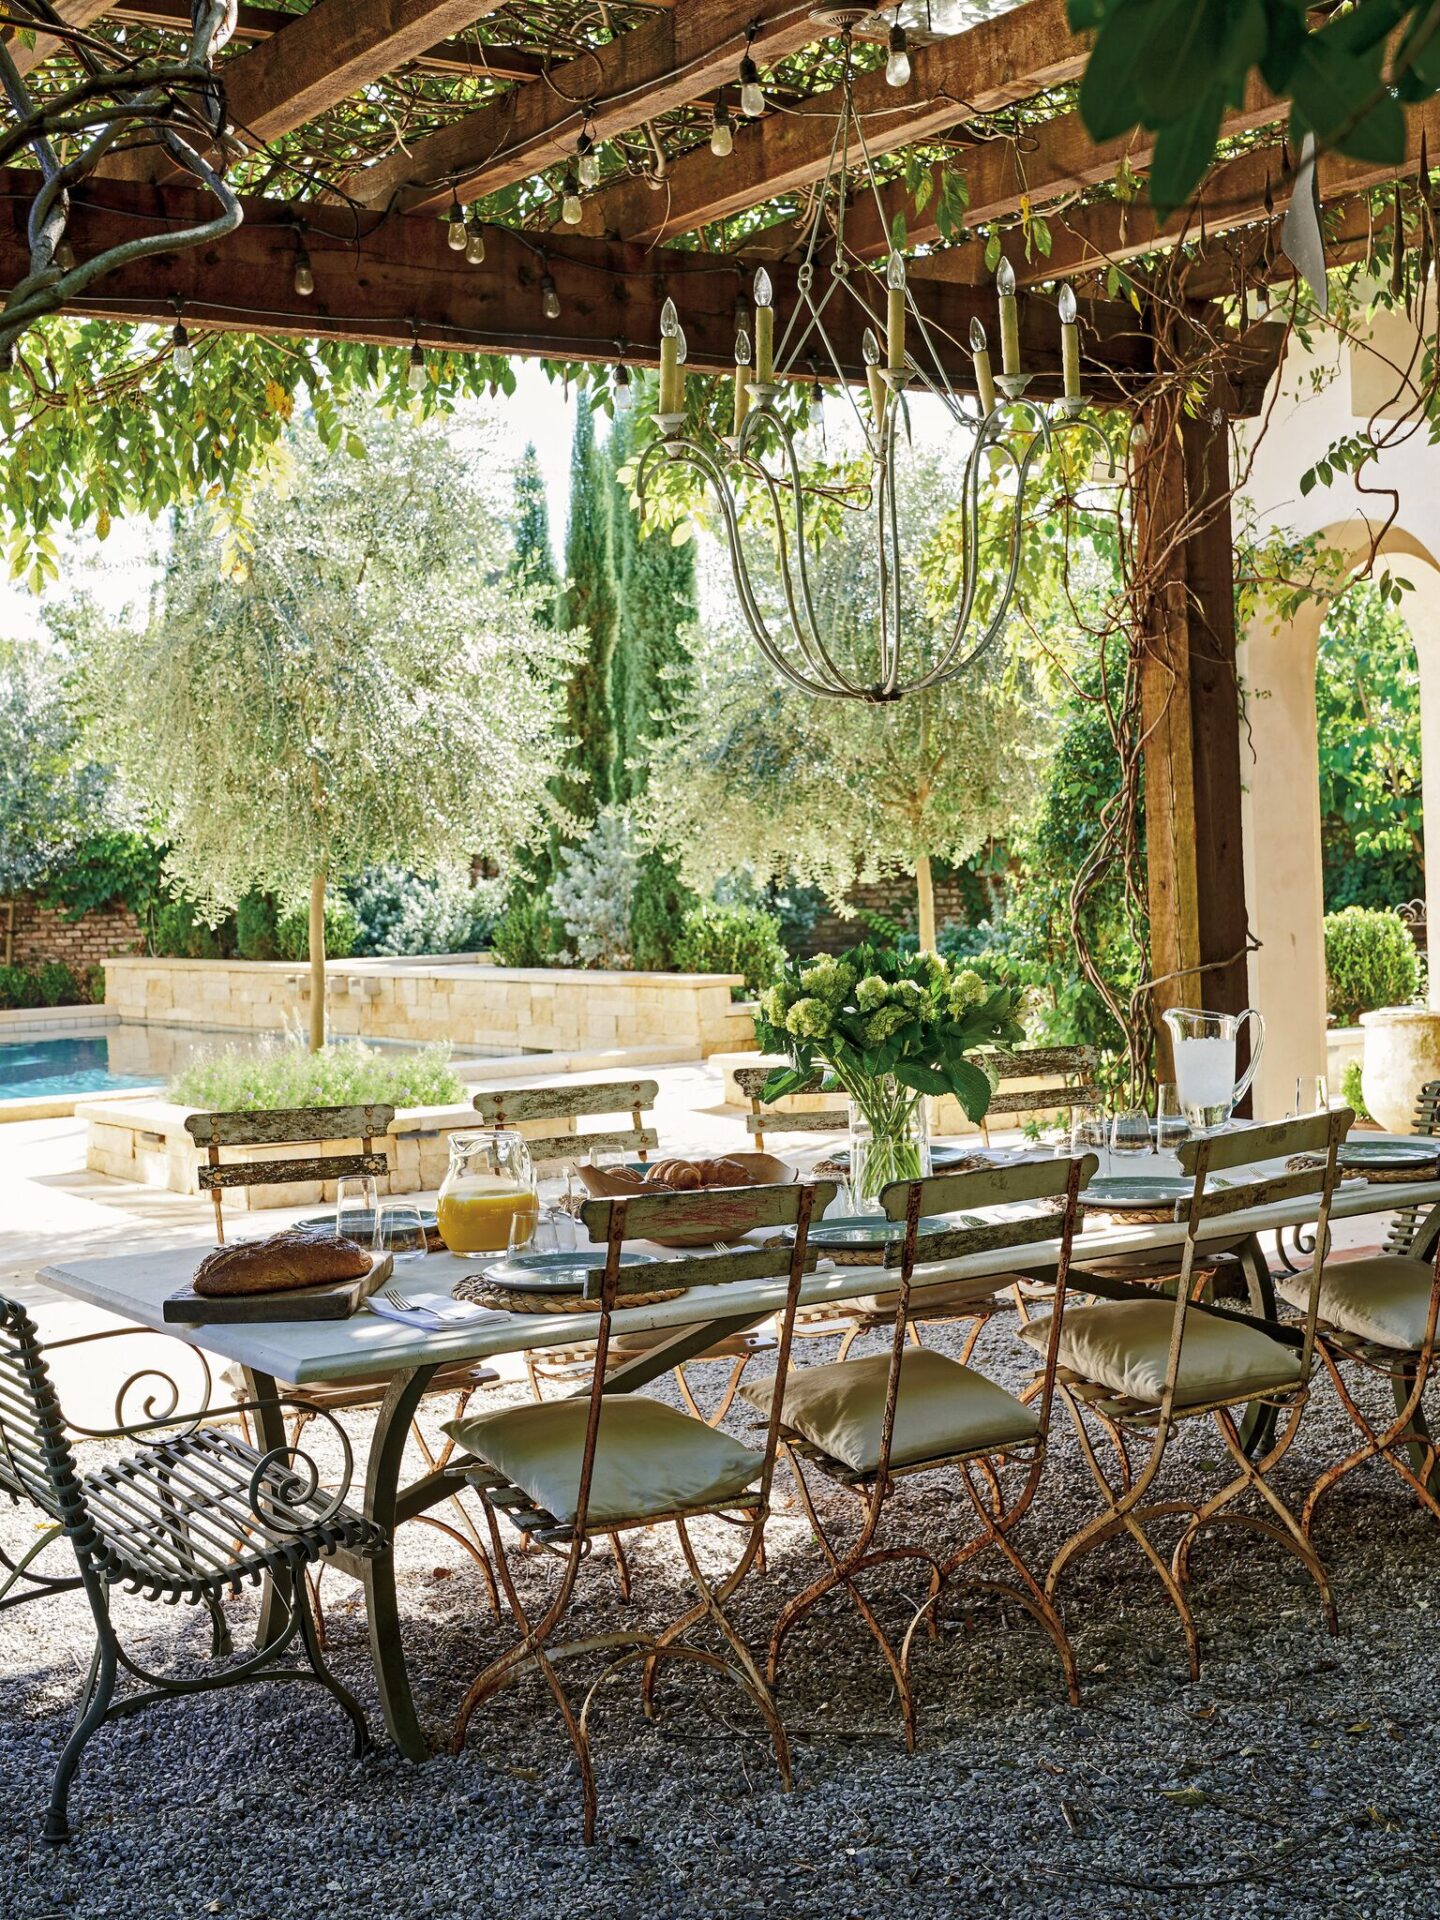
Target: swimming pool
x: 114, y: 1059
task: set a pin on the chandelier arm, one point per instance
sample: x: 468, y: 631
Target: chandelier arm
x: 817, y: 654
x: 891, y: 587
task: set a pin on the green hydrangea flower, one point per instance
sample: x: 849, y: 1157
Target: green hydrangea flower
x: 909, y: 994
x: 884, y: 1022
x: 775, y: 1003
x: 871, y: 993
x: 967, y: 990
x: 828, y: 978
x: 809, y: 1019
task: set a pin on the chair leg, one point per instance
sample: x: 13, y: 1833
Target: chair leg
x: 311, y: 1638
x: 99, y: 1692
x: 1384, y: 1445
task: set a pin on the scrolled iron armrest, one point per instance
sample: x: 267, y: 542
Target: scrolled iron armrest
x: 158, y: 1407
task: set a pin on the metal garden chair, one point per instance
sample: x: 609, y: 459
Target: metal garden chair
x: 190, y: 1516
x: 303, y: 1128
x: 568, y: 1472
x: 869, y: 1425
x: 1139, y: 1368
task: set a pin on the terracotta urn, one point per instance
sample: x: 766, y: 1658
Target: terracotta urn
x: 1402, y: 1052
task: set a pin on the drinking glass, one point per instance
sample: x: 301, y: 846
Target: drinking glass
x: 554, y: 1232
x: 400, y: 1232
x: 1312, y: 1095
x: 1130, y: 1131
x: 523, y: 1223
x: 356, y: 1202
x: 1087, y: 1130
x: 1172, y: 1129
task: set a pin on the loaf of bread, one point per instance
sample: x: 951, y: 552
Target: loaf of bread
x: 280, y: 1264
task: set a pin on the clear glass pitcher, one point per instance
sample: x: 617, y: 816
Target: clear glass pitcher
x: 489, y: 1180
x: 1204, y: 1048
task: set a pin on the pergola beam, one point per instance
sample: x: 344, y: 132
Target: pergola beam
x: 389, y: 280
x: 75, y: 13
x: 652, y: 69
x: 954, y: 80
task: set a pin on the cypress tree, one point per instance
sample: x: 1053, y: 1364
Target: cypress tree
x: 589, y: 603
x: 657, y: 598
x: 532, y: 563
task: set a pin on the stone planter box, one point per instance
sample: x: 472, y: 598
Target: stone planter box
x: 1402, y: 1052
x: 456, y: 1000
x: 145, y: 1140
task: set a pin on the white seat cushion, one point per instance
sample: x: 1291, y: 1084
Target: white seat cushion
x: 1384, y: 1298
x: 649, y: 1458
x: 943, y: 1409
x: 953, y: 1297
x: 1124, y: 1345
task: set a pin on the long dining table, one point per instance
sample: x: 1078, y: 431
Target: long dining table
x: 275, y: 1355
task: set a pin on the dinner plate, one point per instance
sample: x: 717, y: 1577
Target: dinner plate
x: 869, y: 1229
x: 1134, y: 1192
x: 556, y: 1272
x: 1390, y: 1152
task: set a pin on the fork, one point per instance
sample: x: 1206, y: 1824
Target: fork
x: 456, y: 1310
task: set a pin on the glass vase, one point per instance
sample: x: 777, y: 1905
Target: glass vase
x: 889, y: 1139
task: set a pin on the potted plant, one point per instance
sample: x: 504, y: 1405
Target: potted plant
x: 887, y: 1028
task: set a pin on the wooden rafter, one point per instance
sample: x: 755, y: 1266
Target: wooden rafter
x: 992, y: 65
x: 663, y: 64
x: 75, y: 13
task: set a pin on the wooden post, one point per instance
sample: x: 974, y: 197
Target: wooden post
x: 1191, y: 709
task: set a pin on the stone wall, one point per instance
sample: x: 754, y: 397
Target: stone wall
x: 542, y: 1010
x: 44, y: 933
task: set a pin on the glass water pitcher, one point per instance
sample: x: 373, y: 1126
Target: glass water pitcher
x: 489, y: 1180
x: 1204, y: 1048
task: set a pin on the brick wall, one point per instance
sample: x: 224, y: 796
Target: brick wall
x: 44, y: 933
x: 893, y: 896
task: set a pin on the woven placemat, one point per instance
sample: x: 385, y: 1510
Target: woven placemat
x: 475, y: 1287
x: 1377, y: 1176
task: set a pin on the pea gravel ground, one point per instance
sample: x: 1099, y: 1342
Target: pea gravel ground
x: 1299, y: 1776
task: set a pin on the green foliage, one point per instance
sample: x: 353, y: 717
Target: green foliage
x: 527, y: 934
x: 255, y: 930
x: 1367, y: 697
x: 107, y: 867
x: 342, y: 931
x: 589, y: 601
x: 593, y: 891
x: 532, y: 564
x: 1176, y: 65
x: 658, y: 906
x: 402, y: 912
x: 50, y: 984
x: 284, y: 1074
x: 52, y: 796
x: 872, y: 1013
x: 1370, y: 961
x: 1352, y: 1091
x: 738, y: 939
x: 178, y: 933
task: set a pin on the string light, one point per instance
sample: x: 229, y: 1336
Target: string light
x: 415, y: 369
x: 897, y: 67
x: 549, y: 296
x: 455, y: 226
x: 475, y: 240
x: 624, y: 395
x: 752, y: 94
x: 304, y: 273
x: 182, y: 354
x: 722, y: 134
x: 572, y: 212
x: 587, y: 159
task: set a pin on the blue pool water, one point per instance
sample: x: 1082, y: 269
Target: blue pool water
x: 72, y: 1063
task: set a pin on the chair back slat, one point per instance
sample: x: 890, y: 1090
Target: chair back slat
x: 1008, y: 1099
x: 574, y: 1100
x: 1031, y: 1063
x: 286, y: 1126
x: 1268, y: 1192
x: 985, y: 1187
x: 751, y: 1081
x: 1405, y: 1222
x: 1247, y: 1146
x: 36, y: 1462
x: 771, y: 1120
x: 280, y: 1173
x: 569, y: 1146
x: 722, y: 1213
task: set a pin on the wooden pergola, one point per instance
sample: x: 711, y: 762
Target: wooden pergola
x: 487, y: 100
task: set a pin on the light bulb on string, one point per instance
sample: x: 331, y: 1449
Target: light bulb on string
x: 722, y: 134
x: 624, y: 389
x: 304, y: 272
x: 752, y: 94
x: 415, y: 368
x: 475, y: 240
x: 455, y: 226
x: 549, y: 297
x: 572, y: 211
x: 182, y: 354
x: 897, y: 66
x: 587, y: 163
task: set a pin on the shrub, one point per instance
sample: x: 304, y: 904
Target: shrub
x: 742, y: 940
x: 525, y: 935
x: 342, y: 930
x: 1370, y: 961
x: 403, y: 912
x: 657, y: 911
x: 255, y: 928
x: 177, y: 933
x: 1353, y: 1093
x: 51, y: 984
x: 284, y: 1074
x: 594, y: 890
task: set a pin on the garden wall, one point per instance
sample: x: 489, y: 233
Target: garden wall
x: 43, y: 933
x: 895, y: 898
x: 545, y: 1010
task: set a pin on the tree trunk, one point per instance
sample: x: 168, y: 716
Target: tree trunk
x: 925, y: 891
x: 317, y: 961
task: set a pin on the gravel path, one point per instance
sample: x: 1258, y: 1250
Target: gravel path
x: 1299, y: 1775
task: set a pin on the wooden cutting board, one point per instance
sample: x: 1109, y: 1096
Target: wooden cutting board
x: 336, y: 1300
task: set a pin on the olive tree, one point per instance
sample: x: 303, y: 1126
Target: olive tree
x: 357, y: 683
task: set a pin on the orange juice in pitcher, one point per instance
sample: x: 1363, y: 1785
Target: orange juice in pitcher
x: 489, y: 1180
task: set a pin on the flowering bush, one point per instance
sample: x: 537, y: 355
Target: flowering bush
x: 873, y: 1014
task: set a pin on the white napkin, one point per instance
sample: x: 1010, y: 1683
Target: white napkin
x: 434, y: 1311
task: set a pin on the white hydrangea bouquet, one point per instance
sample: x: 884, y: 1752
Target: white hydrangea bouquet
x: 887, y: 1028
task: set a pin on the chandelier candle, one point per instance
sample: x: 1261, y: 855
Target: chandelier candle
x: 742, y: 380
x: 669, y: 358
x: 874, y: 379
x: 895, y: 314
x: 764, y: 330
x: 1009, y: 319
x: 1069, y: 343
x: 984, y: 375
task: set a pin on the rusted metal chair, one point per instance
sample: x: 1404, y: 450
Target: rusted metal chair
x: 569, y: 1472
x: 1139, y: 1368
x: 575, y: 1100
x: 191, y: 1516
x: 869, y: 1425
x: 304, y: 1128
